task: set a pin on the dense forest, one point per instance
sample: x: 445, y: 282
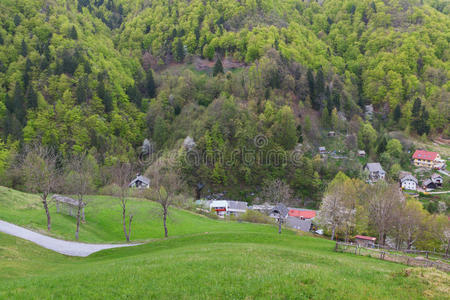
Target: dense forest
x: 104, y: 75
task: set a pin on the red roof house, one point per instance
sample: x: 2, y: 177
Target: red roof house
x: 303, y: 214
x: 426, y: 155
x: 427, y: 159
x: 363, y: 237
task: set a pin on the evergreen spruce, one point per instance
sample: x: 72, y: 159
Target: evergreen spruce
x: 218, y: 67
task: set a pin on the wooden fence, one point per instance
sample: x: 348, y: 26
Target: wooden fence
x: 394, y: 256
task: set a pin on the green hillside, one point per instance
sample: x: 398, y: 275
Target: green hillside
x: 232, y: 265
x: 203, y: 258
x: 101, y: 76
x: 104, y: 222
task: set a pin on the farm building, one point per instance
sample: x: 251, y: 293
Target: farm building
x: 228, y: 207
x: 437, y: 179
x: 365, y: 241
x: 68, y: 206
x: 361, y: 153
x: 302, y: 214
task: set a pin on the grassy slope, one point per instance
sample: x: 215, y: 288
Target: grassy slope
x: 103, y: 219
x: 232, y: 261
x: 219, y: 265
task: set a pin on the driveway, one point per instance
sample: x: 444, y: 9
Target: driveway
x: 60, y: 246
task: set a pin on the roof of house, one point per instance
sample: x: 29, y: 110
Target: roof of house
x: 427, y: 182
x: 374, y: 167
x: 281, y: 209
x: 435, y: 176
x: 67, y: 200
x: 306, y: 214
x: 367, y: 238
x: 238, y: 205
x: 303, y: 225
x: 426, y: 155
x: 322, y: 148
x: 409, y: 177
x: 361, y: 152
x: 142, y: 179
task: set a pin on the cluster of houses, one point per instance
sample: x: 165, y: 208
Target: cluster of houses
x: 409, y: 182
x: 301, y: 219
x: 421, y: 158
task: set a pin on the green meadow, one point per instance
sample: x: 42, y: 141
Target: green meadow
x: 202, y: 259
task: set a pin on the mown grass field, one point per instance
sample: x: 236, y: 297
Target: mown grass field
x: 204, y: 259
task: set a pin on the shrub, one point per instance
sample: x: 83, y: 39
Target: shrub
x: 255, y: 217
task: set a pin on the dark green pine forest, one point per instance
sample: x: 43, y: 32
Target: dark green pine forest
x: 104, y: 75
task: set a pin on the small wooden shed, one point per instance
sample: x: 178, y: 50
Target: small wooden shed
x: 365, y: 241
x: 68, y: 206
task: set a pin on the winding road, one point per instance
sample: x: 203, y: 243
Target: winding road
x: 60, y: 246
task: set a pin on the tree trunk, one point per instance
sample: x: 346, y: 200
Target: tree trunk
x: 279, y: 225
x: 129, y: 227
x: 78, y: 219
x: 49, y: 221
x: 124, y: 222
x: 332, y: 233
x: 166, y: 233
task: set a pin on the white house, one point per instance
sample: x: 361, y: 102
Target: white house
x: 375, y: 171
x: 409, y: 182
x: 228, y: 207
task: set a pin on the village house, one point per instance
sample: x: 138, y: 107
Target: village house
x: 300, y: 219
x: 140, y: 182
x: 302, y: 214
x: 437, y: 179
x: 331, y: 133
x: 409, y: 182
x: 428, y: 159
x: 365, y: 241
x: 375, y: 172
x: 228, y: 207
x: 428, y: 185
x: 279, y: 211
x: 361, y: 153
x: 322, y: 150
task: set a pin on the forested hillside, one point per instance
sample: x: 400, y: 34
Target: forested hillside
x: 103, y: 75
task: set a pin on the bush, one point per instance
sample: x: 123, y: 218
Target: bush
x: 255, y: 217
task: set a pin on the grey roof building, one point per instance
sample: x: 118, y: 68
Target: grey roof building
x: 140, y: 182
x: 279, y: 210
x: 375, y: 170
x: 297, y: 223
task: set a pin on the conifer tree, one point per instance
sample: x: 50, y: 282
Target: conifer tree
x: 218, y: 67
x: 151, y: 86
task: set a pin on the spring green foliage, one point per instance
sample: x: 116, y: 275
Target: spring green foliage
x: 101, y: 76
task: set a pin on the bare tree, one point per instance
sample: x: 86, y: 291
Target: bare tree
x: 382, y: 200
x: 41, y: 174
x: 122, y: 174
x: 80, y: 175
x: 277, y: 192
x: 165, y: 183
x: 333, y: 212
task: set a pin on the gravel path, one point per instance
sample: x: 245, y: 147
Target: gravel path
x: 60, y: 246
